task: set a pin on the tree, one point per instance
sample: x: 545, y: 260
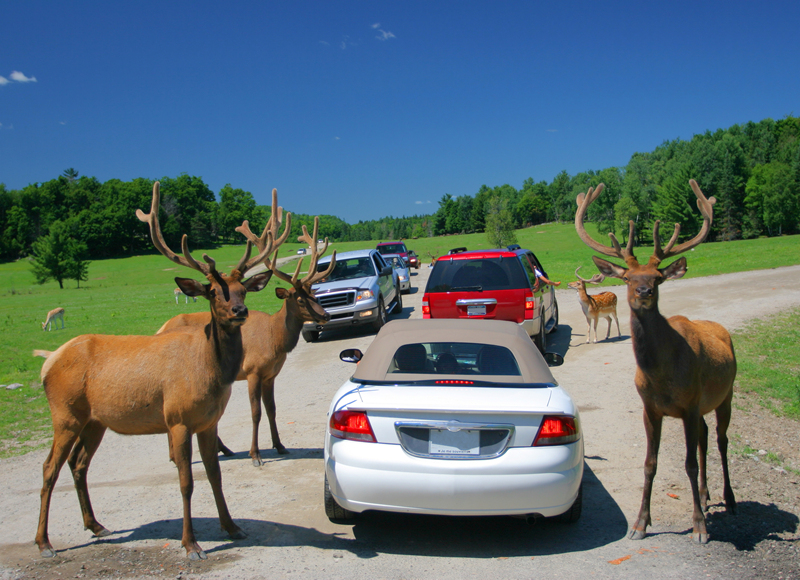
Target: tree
x: 772, y: 199
x: 59, y: 256
x: 71, y: 174
x: 499, y: 223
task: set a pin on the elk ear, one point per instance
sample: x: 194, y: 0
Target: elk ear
x: 608, y: 269
x: 282, y: 293
x: 675, y: 270
x: 191, y: 287
x: 258, y: 282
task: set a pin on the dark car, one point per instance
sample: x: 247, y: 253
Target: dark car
x: 493, y: 284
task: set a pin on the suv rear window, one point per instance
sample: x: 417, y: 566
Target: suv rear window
x: 392, y: 248
x: 477, y: 274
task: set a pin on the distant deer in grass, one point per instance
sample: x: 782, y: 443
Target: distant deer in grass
x: 268, y: 338
x: 178, y: 293
x: 54, y: 316
x: 685, y: 368
x: 596, y: 306
x: 177, y: 383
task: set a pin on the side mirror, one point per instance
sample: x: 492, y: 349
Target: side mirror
x: 387, y: 271
x: 553, y: 359
x: 353, y: 355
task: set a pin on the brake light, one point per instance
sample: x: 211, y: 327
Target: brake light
x: 454, y: 382
x: 351, y: 425
x: 426, y: 308
x: 557, y: 430
x: 530, y: 303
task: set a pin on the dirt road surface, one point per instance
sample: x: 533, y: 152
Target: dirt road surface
x: 135, y: 488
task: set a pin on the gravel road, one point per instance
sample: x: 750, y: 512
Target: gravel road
x: 135, y: 488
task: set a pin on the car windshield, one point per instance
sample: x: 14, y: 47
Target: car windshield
x: 392, y: 249
x: 348, y: 269
x: 454, y: 358
x: 476, y: 274
x: 398, y: 263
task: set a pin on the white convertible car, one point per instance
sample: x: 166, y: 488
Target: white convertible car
x: 452, y: 417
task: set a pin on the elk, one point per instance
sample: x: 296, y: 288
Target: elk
x: 596, y: 306
x: 54, y: 316
x: 268, y: 338
x: 177, y: 383
x: 684, y: 369
x: 178, y: 293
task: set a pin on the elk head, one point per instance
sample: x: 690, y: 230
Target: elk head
x: 226, y: 293
x: 643, y: 279
x: 299, y: 297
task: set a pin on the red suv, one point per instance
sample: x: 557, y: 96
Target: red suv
x: 493, y: 284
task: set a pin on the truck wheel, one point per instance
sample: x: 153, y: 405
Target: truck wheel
x: 540, y: 340
x: 398, y: 306
x: 381, y: 319
x: 311, y: 335
x: 555, y: 315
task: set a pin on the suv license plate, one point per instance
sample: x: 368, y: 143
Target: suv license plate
x: 476, y: 310
x: 444, y: 442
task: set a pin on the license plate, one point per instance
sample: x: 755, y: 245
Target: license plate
x: 444, y: 442
x: 476, y: 310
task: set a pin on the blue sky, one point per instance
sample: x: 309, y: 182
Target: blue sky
x: 369, y: 109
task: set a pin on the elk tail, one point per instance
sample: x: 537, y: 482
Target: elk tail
x: 42, y: 353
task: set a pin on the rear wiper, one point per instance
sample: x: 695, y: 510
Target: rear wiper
x: 467, y: 289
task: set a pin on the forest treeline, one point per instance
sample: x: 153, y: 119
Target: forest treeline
x: 753, y: 170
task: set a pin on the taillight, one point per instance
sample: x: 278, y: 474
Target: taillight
x: 351, y: 425
x: 530, y: 303
x: 426, y: 307
x: 557, y: 430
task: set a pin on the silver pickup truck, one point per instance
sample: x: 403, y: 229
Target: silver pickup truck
x: 361, y: 290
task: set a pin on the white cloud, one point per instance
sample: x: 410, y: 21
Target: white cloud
x: 4, y: 81
x: 376, y: 25
x: 384, y: 35
x: 422, y: 202
x: 21, y: 78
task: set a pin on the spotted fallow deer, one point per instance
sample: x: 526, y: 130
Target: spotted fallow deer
x: 178, y: 383
x: 685, y: 368
x: 268, y: 338
x: 52, y: 319
x: 595, y: 306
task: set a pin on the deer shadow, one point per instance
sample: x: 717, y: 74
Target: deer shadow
x: 753, y: 523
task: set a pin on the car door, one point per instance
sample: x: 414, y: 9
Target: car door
x: 385, y: 281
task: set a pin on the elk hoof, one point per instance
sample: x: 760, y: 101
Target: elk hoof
x: 282, y: 450
x: 637, y: 534
x: 257, y: 462
x: 47, y: 552
x: 201, y: 555
x: 701, y: 538
x: 237, y: 534
x: 102, y: 532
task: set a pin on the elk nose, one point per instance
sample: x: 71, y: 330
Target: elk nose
x: 240, y: 310
x: 644, y: 292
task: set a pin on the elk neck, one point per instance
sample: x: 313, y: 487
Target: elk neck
x: 227, y: 348
x: 653, y: 339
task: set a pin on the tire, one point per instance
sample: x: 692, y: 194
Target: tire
x: 573, y: 514
x: 555, y: 316
x: 540, y: 340
x: 311, y: 335
x: 398, y: 302
x: 381, y: 319
x: 336, y: 513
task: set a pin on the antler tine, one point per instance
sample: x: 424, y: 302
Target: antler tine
x: 151, y: 219
x: 706, y: 207
x: 584, y: 200
x: 268, y: 241
x: 596, y: 279
x: 312, y: 275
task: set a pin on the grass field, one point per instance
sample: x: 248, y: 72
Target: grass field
x: 134, y: 296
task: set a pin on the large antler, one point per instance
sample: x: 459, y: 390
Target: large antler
x: 584, y: 200
x: 596, y: 279
x: 269, y: 241
x: 706, y: 207
x: 311, y: 275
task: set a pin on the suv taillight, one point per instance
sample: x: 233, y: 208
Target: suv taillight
x: 530, y: 305
x: 557, y: 430
x: 351, y: 425
x: 426, y: 307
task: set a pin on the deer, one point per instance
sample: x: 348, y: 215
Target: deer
x: 268, y: 338
x: 684, y: 368
x: 595, y: 306
x: 178, y: 293
x: 177, y: 383
x: 53, y: 316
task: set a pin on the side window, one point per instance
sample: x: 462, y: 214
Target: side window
x: 528, y: 270
x: 379, y: 263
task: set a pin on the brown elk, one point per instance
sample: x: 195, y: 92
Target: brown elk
x: 268, y: 338
x: 596, y: 306
x: 685, y: 368
x: 176, y: 383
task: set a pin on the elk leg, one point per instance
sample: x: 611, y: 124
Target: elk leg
x: 79, y: 460
x: 705, y: 497
x: 182, y: 449
x: 64, y: 438
x: 221, y: 448
x: 207, y: 442
x: 691, y: 429
x: 652, y: 428
x: 723, y: 420
x: 596, y: 320
x: 254, y: 392
x: 268, y: 396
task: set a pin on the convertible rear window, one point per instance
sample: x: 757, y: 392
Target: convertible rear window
x: 454, y: 358
x: 475, y: 275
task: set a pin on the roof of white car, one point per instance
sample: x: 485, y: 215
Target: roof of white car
x: 377, y: 361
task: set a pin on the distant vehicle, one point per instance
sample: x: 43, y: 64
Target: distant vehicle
x: 301, y: 251
x: 456, y: 250
x: 439, y: 419
x: 413, y: 260
x: 394, y: 248
x: 361, y: 290
x: 401, y: 267
x: 492, y: 284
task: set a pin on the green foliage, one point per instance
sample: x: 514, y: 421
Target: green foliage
x: 59, y: 256
x: 499, y: 223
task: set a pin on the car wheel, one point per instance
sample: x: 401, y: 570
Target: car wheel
x: 336, y: 513
x: 573, y: 514
x: 381, y: 319
x: 398, y: 306
x: 311, y: 335
x: 555, y: 316
x: 540, y: 340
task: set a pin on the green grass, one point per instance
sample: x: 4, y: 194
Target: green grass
x: 134, y: 296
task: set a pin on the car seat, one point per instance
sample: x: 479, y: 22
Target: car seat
x: 447, y: 364
x: 411, y: 358
x: 496, y: 360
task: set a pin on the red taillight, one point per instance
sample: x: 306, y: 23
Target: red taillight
x: 557, y: 430
x: 351, y: 425
x: 426, y: 307
x: 530, y: 303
